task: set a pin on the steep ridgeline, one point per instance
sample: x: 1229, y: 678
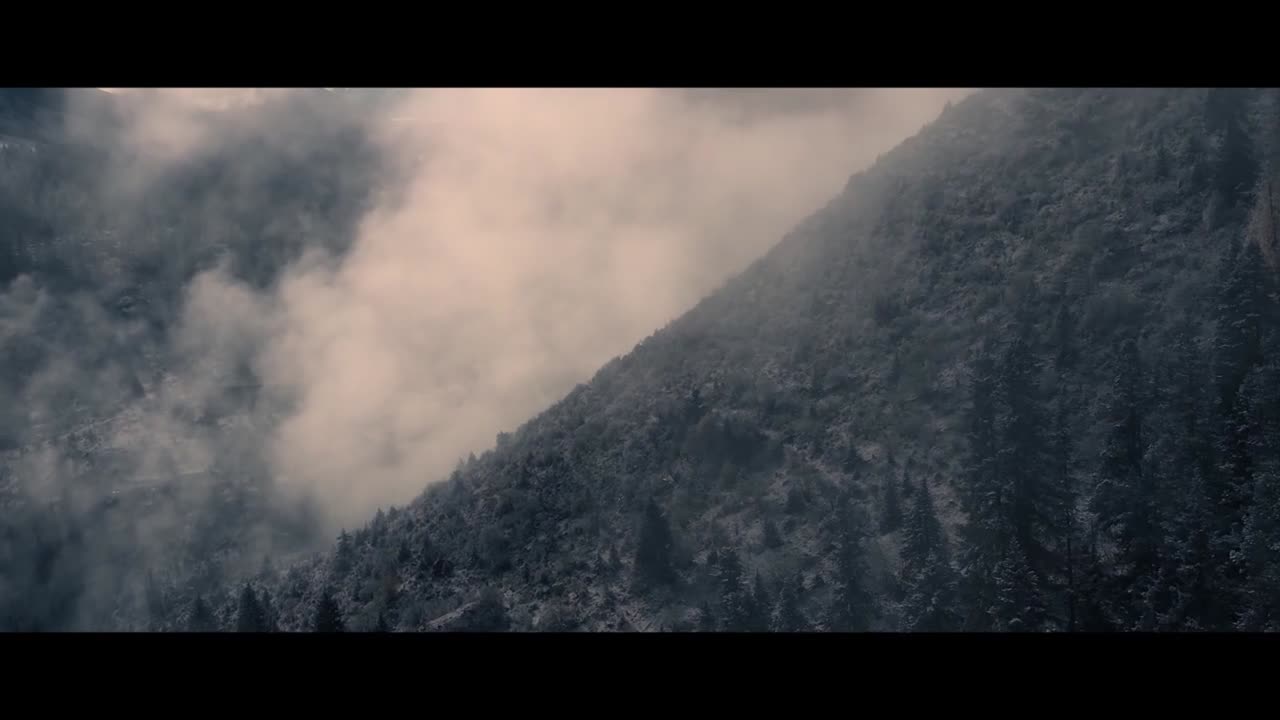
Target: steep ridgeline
x: 1020, y: 375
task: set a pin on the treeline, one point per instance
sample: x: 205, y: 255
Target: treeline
x: 256, y: 613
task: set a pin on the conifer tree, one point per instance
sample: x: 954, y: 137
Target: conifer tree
x: 1025, y: 459
x: 201, y: 617
x: 706, y: 618
x: 735, y: 602
x: 788, y: 617
x: 1125, y: 498
x: 891, y: 511
x: 653, y: 551
x: 852, y: 607
x: 772, y: 539
x: 927, y: 579
x: 155, y: 601
x: 761, y: 607
x: 270, y: 617
x: 984, y: 497
x: 1019, y: 602
x: 328, y: 616
x: 249, y: 617
x: 344, y: 555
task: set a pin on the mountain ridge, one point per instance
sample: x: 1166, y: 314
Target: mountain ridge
x: 833, y: 374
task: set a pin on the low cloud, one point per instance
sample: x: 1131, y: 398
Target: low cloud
x: 539, y: 233
x: 518, y: 240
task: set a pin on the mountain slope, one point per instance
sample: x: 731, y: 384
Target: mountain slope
x: 911, y: 414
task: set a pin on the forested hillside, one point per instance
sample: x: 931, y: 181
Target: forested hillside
x: 1019, y: 376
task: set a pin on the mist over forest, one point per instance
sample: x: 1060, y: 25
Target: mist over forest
x: 673, y: 360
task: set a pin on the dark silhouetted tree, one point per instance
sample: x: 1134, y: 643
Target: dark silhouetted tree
x: 201, y: 617
x: 761, y: 607
x: 984, y: 498
x: 891, y: 510
x: 735, y: 600
x: 270, y: 616
x: 852, y: 607
x: 1034, y: 508
x: 328, y: 616
x: 927, y: 579
x: 1235, y: 165
x: 788, y: 616
x: 155, y: 601
x: 1019, y: 602
x: 249, y: 617
x: 1124, y: 499
x: 772, y: 539
x: 344, y: 555
x: 706, y: 618
x: 653, y: 552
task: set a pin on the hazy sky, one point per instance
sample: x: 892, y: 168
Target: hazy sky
x: 539, y: 234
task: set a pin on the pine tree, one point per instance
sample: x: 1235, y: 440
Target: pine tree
x: 328, y: 616
x: 201, y: 617
x: 735, y: 601
x: 1092, y: 587
x: 249, y: 617
x: 1019, y: 602
x: 1185, y: 459
x: 706, y: 618
x: 772, y: 539
x: 1264, y: 219
x: 761, y: 607
x: 891, y: 512
x: 922, y: 533
x: 984, y: 498
x: 1069, y: 540
x: 270, y: 618
x: 267, y: 572
x: 927, y: 579
x: 1125, y: 499
x: 788, y: 616
x: 1235, y: 168
x: 653, y: 551
x: 906, y: 489
x: 1035, y: 504
x: 155, y: 601
x: 344, y: 556
x: 1189, y: 572
x: 852, y: 608
x: 427, y: 557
